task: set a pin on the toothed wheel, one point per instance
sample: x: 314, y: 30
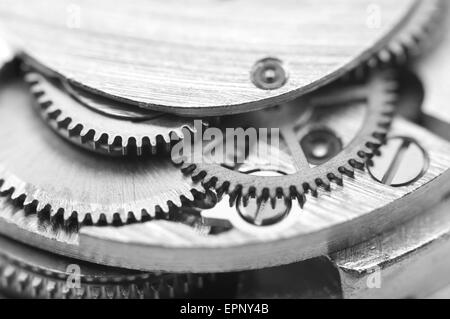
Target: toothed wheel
x: 47, y: 175
x: 102, y: 124
x: 31, y: 273
x: 206, y: 67
x: 415, y: 36
x: 323, y: 136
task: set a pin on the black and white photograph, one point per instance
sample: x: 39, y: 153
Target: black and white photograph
x: 224, y: 155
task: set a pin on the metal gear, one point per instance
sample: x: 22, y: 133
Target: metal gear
x: 32, y: 273
x: 416, y: 34
x: 356, y: 117
x: 187, y: 72
x: 46, y: 174
x: 101, y: 124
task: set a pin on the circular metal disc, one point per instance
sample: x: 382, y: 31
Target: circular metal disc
x: 195, y: 57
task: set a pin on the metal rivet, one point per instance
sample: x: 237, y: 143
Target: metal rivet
x: 402, y: 162
x: 320, y: 145
x: 269, y: 74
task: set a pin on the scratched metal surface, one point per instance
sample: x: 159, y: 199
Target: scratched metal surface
x: 44, y: 168
x: 195, y: 57
x: 328, y: 223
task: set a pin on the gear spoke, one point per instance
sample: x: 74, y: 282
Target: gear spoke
x: 293, y: 144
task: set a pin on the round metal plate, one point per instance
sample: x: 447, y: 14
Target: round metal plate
x: 195, y: 57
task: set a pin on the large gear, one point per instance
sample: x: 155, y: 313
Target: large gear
x: 101, y: 124
x: 49, y: 175
x: 415, y: 36
x: 208, y: 73
x: 358, y: 115
x: 350, y: 180
x: 32, y: 273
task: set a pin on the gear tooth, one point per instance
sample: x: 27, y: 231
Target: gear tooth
x: 9, y: 273
x: 72, y: 126
x: 336, y: 177
x: 4, y: 188
x: 126, y: 141
x: 68, y: 214
x: 40, y: 207
x: 139, y: 290
x: 111, y: 140
x: 36, y: 285
x: 53, y: 212
x: 16, y: 194
x: 31, y: 77
x: 28, y: 201
x: 22, y: 279
x: 164, y: 207
x: 190, y: 196
x: 323, y: 183
x: 80, y: 293
x: 196, y: 172
x: 35, y: 89
x: 179, y: 133
x: 97, y: 136
x: 95, y: 292
x: 153, y: 142
x: 139, y: 144
x: 384, y: 56
x: 125, y: 292
x: 51, y: 288
x: 347, y: 170
x: 357, y: 164
x: 85, y: 131
x: 110, y: 292
x: 64, y: 292
x: 177, y: 202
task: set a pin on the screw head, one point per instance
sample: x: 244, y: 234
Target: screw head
x: 269, y: 74
x: 401, y: 163
x: 262, y: 212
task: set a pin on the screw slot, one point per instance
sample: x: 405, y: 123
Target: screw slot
x: 269, y: 74
x: 401, y: 163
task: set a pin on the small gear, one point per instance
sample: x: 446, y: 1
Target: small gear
x: 46, y: 174
x: 31, y: 273
x: 325, y: 135
x: 102, y: 124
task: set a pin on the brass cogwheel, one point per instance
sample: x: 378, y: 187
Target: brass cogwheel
x: 323, y: 136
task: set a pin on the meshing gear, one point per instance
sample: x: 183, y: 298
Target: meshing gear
x: 101, y: 124
x: 53, y: 177
x: 324, y: 136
